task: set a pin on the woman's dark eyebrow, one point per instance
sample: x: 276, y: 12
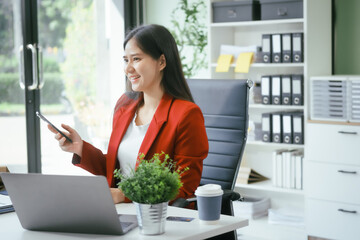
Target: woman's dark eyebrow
x: 133, y: 55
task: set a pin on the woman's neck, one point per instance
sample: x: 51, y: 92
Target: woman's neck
x: 147, y: 110
x: 152, y: 98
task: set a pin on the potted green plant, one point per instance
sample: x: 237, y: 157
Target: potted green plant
x: 151, y: 186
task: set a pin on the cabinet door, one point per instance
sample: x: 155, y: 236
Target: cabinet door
x: 333, y: 143
x: 333, y: 182
x: 332, y: 220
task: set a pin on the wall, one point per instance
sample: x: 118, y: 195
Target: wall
x: 347, y: 37
x: 159, y: 11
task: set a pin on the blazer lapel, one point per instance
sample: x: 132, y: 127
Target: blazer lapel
x: 160, y: 117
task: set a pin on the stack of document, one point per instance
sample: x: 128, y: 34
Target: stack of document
x: 287, y: 216
x: 251, y: 208
x: 288, y: 168
x: 244, y: 57
x: 248, y: 175
x: 5, y: 203
x: 254, y: 131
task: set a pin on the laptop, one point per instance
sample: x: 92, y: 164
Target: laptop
x: 59, y: 203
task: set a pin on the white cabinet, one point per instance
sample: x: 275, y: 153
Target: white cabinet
x: 334, y: 143
x: 332, y: 180
x: 317, y: 61
x: 335, y: 182
x: 333, y: 220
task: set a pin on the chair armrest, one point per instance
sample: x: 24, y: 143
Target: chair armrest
x: 228, y: 195
x: 232, y: 195
x: 182, y: 202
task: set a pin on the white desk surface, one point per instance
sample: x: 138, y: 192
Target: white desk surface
x: 10, y: 227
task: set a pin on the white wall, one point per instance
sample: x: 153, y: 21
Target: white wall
x: 159, y: 11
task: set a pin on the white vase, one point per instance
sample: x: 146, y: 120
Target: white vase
x: 151, y: 218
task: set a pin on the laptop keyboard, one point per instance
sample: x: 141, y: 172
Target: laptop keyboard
x: 125, y: 224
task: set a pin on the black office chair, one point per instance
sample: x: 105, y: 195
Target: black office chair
x: 224, y: 104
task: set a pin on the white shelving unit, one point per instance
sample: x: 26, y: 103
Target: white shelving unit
x: 267, y: 186
x: 273, y: 145
x: 275, y: 107
x: 317, y: 61
x: 270, y: 65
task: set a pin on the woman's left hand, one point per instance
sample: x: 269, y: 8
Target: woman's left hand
x: 117, y: 195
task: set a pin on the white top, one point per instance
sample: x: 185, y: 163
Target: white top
x: 129, y: 147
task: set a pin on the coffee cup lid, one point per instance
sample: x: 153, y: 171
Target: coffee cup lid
x: 209, y: 190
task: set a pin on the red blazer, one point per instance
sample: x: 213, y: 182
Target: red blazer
x: 177, y: 128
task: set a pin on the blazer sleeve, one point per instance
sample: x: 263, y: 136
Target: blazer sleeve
x: 191, y: 148
x: 92, y: 160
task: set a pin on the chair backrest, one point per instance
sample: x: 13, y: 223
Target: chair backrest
x: 224, y: 104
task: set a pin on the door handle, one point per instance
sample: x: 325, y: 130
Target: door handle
x: 41, y: 75
x: 35, y: 82
x: 346, y: 132
x: 344, y: 171
x: 21, y: 67
x: 346, y: 211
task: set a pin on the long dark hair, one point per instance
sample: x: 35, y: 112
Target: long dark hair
x: 156, y: 40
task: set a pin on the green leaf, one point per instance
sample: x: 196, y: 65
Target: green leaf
x: 190, y: 33
x: 154, y: 181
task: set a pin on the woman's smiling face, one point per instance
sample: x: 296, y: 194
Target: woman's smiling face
x: 143, y: 71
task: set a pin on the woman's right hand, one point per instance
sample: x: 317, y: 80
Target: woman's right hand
x: 77, y: 143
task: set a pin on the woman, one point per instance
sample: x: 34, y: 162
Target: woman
x: 157, y: 115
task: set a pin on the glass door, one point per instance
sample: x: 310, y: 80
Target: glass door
x: 12, y: 94
x: 81, y: 48
x: 63, y: 58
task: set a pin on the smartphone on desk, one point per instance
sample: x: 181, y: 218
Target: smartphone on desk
x: 52, y: 125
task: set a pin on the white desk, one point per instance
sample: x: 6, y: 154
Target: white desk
x: 194, y: 230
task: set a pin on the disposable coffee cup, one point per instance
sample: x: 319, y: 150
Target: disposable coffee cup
x: 209, y: 198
